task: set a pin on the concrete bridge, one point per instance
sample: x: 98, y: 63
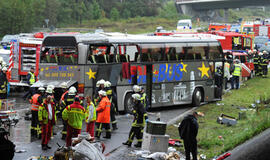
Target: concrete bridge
x: 206, y: 8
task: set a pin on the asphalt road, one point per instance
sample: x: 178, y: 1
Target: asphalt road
x: 20, y: 134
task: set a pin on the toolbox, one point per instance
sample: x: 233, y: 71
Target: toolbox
x: 156, y: 127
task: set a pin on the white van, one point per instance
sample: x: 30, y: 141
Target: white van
x: 184, y: 24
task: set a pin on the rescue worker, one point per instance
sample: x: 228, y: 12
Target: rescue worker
x: 64, y: 92
x: 260, y: 61
x: 7, y: 150
x: 256, y: 62
x: 111, y: 95
x: 36, y: 102
x: 46, y: 116
x: 91, y: 117
x: 3, y: 84
x: 31, y: 79
x: 99, y: 86
x: 140, y: 117
x: 103, y: 118
x: 74, y: 115
x: 264, y: 64
x: 236, y: 73
x: 68, y: 100
x: 144, y: 98
x: 227, y: 74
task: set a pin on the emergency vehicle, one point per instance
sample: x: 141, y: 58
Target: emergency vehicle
x: 234, y: 40
x: 218, y: 27
x: 246, y: 62
x: 24, y: 54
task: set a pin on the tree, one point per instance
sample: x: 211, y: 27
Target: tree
x: 126, y: 14
x: 95, y: 10
x: 114, y: 14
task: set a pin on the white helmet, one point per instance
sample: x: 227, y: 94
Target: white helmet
x: 265, y: 52
x: 260, y: 54
x: 254, y: 50
x: 64, y: 85
x: 102, y: 81
x: 49, y: 90
x: 107, y: 84
x: 4, y: 69
x: 1, y: 60
x: 249, y: 51
x: 102, y: 93
x: 136, y: 88
x: 73, y: 89
x: 41, y: 89
x: 51, y: 86
x: 4, y: 63
x: 136, y: 96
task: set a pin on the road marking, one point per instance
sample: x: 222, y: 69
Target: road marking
x: 175, y: 119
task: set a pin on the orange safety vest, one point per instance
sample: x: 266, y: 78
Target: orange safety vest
x: 103, y: 110
x: 35, y: 104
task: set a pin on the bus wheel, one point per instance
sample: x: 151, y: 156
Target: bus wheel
x: 196, y: 97
x: 128, y: 104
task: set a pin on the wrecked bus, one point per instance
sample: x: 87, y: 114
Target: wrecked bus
x: 172, y: 70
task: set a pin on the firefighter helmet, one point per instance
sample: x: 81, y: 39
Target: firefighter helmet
x: 107, y: 84
x: 73, y: 88
x: 41, y: 89
x: 4, y: 64
x: 102, y: 81
x: 102, y: 93
x: 4, y: 69
x: 136, y: 88
x: 64, y: 85
x: 49, y: 90
x: 265, y: 52
x: 51, y: 86
x: 136, y: 96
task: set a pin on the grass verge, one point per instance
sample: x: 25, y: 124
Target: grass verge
x: 215, y: 139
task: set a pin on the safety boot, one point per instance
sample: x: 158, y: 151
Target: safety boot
x: 114, y: 126
x: 44, y: 147
x: 127, y: 143
x: 138, y: 145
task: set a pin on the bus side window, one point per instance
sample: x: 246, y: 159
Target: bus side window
x: 68, y: 56
x: 171, y: 55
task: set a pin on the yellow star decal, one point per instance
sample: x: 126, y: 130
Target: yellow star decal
x: 42, y: 69
x: 184, y: 67
x: 91, y: 74
x: 204, y: 70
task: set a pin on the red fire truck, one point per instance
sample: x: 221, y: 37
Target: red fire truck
x: 234, y: 40
x: 24, y: 54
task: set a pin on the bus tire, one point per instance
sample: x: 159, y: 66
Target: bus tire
x: 128, y: 103
x: 196, y: 97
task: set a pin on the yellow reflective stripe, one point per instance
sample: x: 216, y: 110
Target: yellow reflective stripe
x: 80, y: 112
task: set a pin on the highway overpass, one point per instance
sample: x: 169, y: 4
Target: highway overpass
x: 206, y: 8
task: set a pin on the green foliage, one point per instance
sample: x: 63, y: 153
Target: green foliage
x: 114, y: 14
x: 95, y: 10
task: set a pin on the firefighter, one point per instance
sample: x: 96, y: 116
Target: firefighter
x: 73, y: 114
x: 111, y: 96
x: 260, y: 61
x: 3, y: 84
x: 31, y: 79
x: 236, y: 72
x: 46, y: 116
x: 103, y: 118
x: 144, y: 99
x: 256, y: 62
x: 64, y: 93
x: 140, y: 117
x: 99, y: 86
x: 36, y: 102
x: 91, y: 117
x: 68, y: 100
x: 264, y: 64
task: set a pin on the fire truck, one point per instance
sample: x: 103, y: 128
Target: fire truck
x: 218, y: 27
x: 234, y: 40
x: 24, y: 54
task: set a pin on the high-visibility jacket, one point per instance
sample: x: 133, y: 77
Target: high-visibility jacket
x: 91, y: 114
x: 256, y: 59
x: 237, y: 70
x: 74, y: 114
x: 264, y: 61
x: 140, y: 115
x: 103, y: 110
x: 43, y: 112
x: 227, y: 67
x: 35, y: 103
x: 68, y: 100
x: 32, y: 79
x: 3, y: 83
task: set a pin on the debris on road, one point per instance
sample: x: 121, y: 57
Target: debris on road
x: 175, y: 142
x: 225, y: 119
